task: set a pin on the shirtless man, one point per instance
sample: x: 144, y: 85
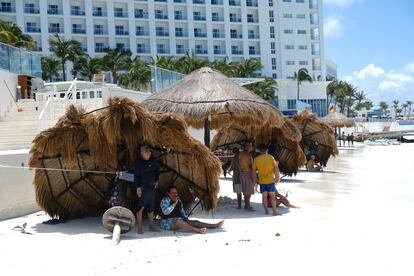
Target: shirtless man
x: 246, y: 175
x: 312, y: 166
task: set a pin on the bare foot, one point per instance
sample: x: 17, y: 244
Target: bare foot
x: 140, y: 230
x: 275, y: 213
x: 201, y: 230
x: 154, y: 229
x: 220, y: 224
x: 266, y: 212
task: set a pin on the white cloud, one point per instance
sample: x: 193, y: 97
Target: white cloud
x: 333, y: 26
x: 384, y: 85
x: 340, y: 3
x: 409, y: 67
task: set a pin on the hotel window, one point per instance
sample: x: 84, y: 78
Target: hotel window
x: 302, y: 47
x: 300, y: 16
x: 91, y: 94
x: 301, y: 31
x: 6, y: 7
x: 289, y: 47
x: 287, y: 1
x: 290, y: 62
x: 271, y: 16
x: 274, y: 76
x: 270, y: 3
x: 119, y: 30
x: 272, y: 32
x: 291, y: 104
x: 179, y: 49
x: 274, y: 64
x: 272, y: 48
x: 303, y: 62
x: 161, y: 48
x: 118, y: 12
x: 288, y: 31
x: 287, y: 15
x: 141, y: 48
x: 300, y: 1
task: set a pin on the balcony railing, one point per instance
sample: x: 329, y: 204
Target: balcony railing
x: 219, y: 52
x: 142, y: 50
x: 181, y: 50
x: 235, y: 19
x: 8, y: 9
x: 57, y: 30
x: 316, y: 67
x: 251, y: 3
x: 180, y: 1
x: 199, y: 17
x: 99, y: 13
x: 162, y: 33
x: 141, y: 33
x: 120, y: 14
x: 254, y: 52
x: 253, y: 19
x: 201, y: 51
x: 77, y: 12
x: 99, y: 49
x: 199, y: 1
x: 55, y: 11
x: 161, y: 16
x: 234, y: 3
x: 218, y: 35
x: 200, y: 34
x: 233, y: 35
x: 33, y: 29
x: 315, y: 37
x: 236, y: 52
x: 216, y: 2
x: 78, y: 31
x: 254, y: 36
x: 121, y: 32
x: 163, y: 51
x: 139, y: 14
x: 316, y: 53
x: 19, y: 61
x: 31, y: 10
x: 217, y: 18
x: 181, y: 34
x: 180, y: 17
x: 100, y: 32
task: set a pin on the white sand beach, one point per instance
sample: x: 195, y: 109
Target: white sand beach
x: 355, y: 219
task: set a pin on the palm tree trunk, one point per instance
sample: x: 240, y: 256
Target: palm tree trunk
x: 298, y: 91
x: 63, y: 70
x: 114, y: 76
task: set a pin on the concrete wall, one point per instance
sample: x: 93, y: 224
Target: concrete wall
x: 17, y: 197
x: 5, y: 98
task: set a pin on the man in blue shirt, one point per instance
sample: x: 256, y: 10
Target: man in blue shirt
x: 145, y: 181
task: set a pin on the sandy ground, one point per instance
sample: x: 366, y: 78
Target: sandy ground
x: 356, y: 218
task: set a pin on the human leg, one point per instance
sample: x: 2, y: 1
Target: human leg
x: 181, y: 224
x: 239, y: 199
x: 247, y: 205
x: 273, y: 201
x: 199, y: 224
x: 139, y: 220
x: 264, y: 201
x: 152, y: 226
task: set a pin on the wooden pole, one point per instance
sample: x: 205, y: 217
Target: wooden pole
x: 207, y: 131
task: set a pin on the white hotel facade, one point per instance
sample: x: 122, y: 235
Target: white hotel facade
x: 284, y: 35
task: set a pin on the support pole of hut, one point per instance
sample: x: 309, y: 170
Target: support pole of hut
x: 207, y: 131
x: 116, y: 234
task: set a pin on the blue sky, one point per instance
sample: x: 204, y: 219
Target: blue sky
x: 372, y: 42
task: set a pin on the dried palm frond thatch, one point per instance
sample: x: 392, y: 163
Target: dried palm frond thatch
x: 283, y: 143
x: 336, y: 119
x: 207, y: 95
x: 107, y: 140
x: 317, y: 132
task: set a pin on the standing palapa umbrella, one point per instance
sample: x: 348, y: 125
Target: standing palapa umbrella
x: 211, y: 100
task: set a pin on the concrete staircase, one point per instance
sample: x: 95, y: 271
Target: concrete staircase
x: 17, y: 129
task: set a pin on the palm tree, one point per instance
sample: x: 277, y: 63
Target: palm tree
x: 90, y: 66
x: 116, y: 59
x: 404, y: 107
x: 350, y: 92
x: 395, y: 106
x: 223, y: 66
x: 359, y: 97
x: 138, y: 76
x: 384, y: 106
x: 65, y: 50
x: 265, y: 89
x: 302, y: 75
x: 166, y: 62
x: 409, y: 103
x: 368, y: 104
x: 11, y: 34
x: 247, y: 69
x: 50, y: 68
x: 190, y: 62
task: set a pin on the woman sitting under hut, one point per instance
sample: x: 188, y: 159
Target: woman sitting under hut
x: 173, y: 216
x: 312, y: 166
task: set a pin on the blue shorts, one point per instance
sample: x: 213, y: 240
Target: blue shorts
x: 166, y: 224
x: 267, y: 188
x: 146, y: 200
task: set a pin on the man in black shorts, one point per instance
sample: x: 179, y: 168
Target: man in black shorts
x: 145, y: 180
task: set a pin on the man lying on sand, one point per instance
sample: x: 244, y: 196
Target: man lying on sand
x: 173, y: 216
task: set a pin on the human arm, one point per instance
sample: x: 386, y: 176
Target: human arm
x: 167, y: 205
x: 276, y: 172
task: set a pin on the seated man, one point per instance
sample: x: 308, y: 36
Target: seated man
x: 280, y: 199
x: 312, y: 166
x: 173, y: 216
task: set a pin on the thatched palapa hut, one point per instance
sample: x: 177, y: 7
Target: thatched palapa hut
x: 337, y: 119
x: 91, y: 147
x: 316, y: 132
x: 211, y: 100
x: 283, y: 143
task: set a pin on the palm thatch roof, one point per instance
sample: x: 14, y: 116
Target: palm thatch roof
x: 337, y: 119
x: 206, y: 92
x: 283, y: 143
x: 317, y: 132
x: 107, y: 140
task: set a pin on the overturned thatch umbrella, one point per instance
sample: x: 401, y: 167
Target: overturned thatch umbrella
x: 317, y: 132
x: 211, y: 100
x: 283, y: 143
x: 90, y: 148
x: 337, y: 119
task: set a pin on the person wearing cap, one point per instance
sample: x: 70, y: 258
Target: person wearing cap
x: 145, y: 181
x: 268, y: 175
